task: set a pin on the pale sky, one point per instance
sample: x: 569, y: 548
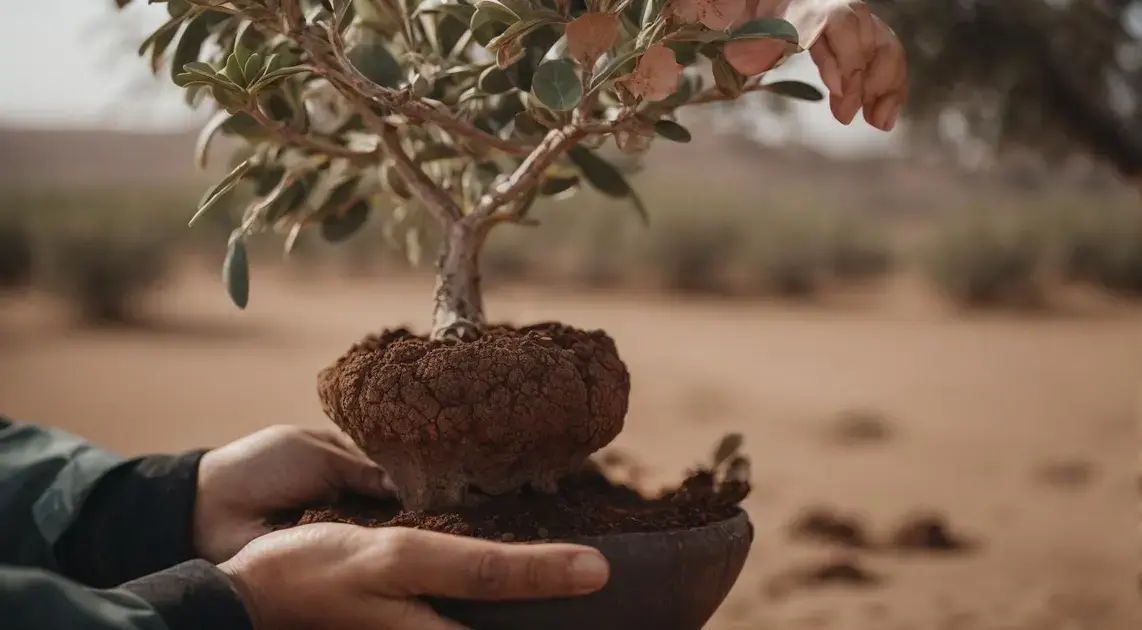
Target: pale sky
x: 65, y: 64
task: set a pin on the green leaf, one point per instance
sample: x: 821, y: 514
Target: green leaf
x: 161, y: 32
x: 233, y: 70
x: 177, y: 8
x: 206, y: 136
x: 672, y: 131
x: 487, y: 21
x: 501, y: 10
x: 493, y: 80
x: 553, y: 186
x: 794, y: 89
x: 488, y: 13
x: 728, y: 80
x: 556, y: 84
x: 236, y: 272
x: 228, y: 97
x: 253, y: 69
x: 338, y: 228
x: 449, y: 31
x: 604, y: 177
x: 241, y: 54
x: 696, y: 33
x: 190, y: 43
x: 515, y: 32
x: 767, y: 28
x: 613, y: 66
x: 217, y: 191
x: 373, y: 59
x: 159, y: 47
x: 270, y: 78
x: 462, y: 12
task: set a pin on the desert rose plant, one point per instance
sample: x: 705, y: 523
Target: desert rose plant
x: 466, y: 111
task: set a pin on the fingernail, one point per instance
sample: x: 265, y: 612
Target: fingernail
x: 891, y: 124
x: 589, y: 571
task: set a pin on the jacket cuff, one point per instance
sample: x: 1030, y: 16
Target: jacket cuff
x: 138, y: 519
x: 192, y: 596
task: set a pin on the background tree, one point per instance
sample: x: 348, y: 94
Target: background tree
x: 1060, y: 77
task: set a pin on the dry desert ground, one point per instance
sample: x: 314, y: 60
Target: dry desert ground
x: 1018, y: 433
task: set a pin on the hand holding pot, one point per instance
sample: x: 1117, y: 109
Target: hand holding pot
x: 242, y: 484
x: 335, y: 576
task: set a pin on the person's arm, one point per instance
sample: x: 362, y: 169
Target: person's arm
x: 92, y: 516
x: 189, y: 596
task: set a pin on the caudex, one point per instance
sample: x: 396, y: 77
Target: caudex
x: 465, y: 112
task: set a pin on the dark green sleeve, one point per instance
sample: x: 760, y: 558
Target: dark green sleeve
x: 91, y: 516
x: 34, y: 599
x: 194, y: 595
x: 45, y: 477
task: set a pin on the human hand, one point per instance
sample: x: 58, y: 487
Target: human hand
x: 333, y: 576
x: 861, y: 61
x: 242, y: 484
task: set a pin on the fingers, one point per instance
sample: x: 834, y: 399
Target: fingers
x: 863, y: 64
x: 416, y: 562
x: 827, y: 65
x: 336, y: 438
x: 359, y: 474
x: 886, y: 83
x: 850, y: 36
x: 347, y: 466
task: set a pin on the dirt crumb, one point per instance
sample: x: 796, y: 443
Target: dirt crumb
x: 823, y: 524
x: 844, y: 571
x: 928, y: 531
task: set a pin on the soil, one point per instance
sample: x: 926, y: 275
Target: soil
x: 824, y: 525
x: 587, y: 504
x: 517, y: 406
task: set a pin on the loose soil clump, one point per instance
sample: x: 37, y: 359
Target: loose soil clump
x: 822, y: 524
x: 452, y: 420
x: 928, y: 531
x: 586, y: 504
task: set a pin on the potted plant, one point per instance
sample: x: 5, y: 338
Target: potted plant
x: 467, y: 112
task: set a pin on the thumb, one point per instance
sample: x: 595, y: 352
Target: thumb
x: 349, y: 471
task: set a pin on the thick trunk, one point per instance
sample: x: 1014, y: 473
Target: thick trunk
x: 459, y: 302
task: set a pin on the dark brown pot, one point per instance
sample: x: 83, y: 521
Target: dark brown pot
x: 670, y: 580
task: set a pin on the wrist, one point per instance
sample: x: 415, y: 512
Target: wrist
x: 137, y: 520
x: 193, y: 595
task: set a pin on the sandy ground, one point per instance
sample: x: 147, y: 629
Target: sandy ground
x: 1021, y: 433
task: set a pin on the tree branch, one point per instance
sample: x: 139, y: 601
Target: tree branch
x: 289, y: 135
x: 435, y: 199
x: 555, y: 144
x: 398, y: 101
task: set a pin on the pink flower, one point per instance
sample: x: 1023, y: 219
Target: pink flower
x: 590, y: 35
x: 656, y: 75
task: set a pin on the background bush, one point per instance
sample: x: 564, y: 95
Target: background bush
x: 103, y: 250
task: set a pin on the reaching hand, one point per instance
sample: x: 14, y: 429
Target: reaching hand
x: 861, y: 61
x: 242, y: 484
x: 333, y: 576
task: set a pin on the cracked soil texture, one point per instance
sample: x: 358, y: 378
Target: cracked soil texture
x: 515, y: 407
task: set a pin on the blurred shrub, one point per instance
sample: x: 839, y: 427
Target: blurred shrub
x: 857, y: 250
x: 104, y: 277
x: 16, y: 254
x: 99, y: 251
x: 1100, y: 246
x: 693, y: 254
x: 983, y: 261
